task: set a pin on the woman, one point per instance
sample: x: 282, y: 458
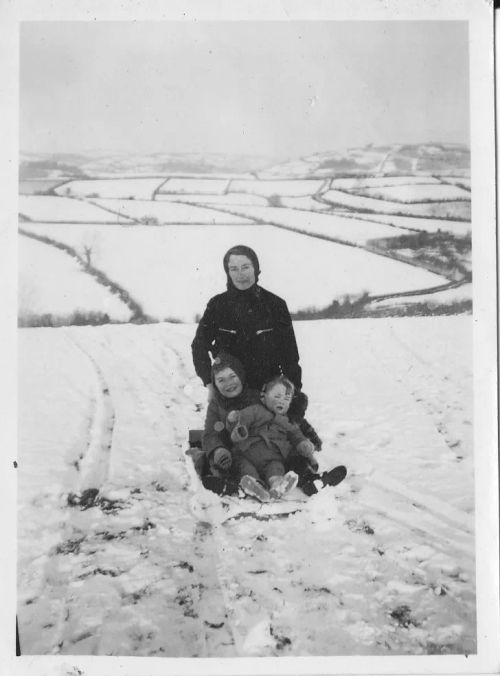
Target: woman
x: 253, y: 325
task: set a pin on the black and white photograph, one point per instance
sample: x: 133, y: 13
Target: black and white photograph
x: 256, y: 340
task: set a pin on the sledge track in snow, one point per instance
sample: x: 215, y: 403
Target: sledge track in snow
x: 94, y: 466
x: 200, y: 592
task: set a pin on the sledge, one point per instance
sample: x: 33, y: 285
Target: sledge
x: 217, y: 499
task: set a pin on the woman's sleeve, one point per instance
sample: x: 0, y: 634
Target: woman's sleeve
x: 295, y: 435
x: 288, y: 351
x: 203, y: 339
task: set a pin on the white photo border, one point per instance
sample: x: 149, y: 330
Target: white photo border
x: 480, y: 16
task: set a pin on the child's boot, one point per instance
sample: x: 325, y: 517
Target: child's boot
x: 280, y: 485
x: 254, y: 488
x: 334, y: 476
x: 331, y: 478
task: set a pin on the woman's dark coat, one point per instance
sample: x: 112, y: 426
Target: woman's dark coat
x: 254, y: 326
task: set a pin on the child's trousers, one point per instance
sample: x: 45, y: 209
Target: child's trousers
x: 259, y: 461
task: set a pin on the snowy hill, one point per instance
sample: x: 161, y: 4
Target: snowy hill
x: 381, y: 565
x: 445, y: 159
x: 377, y: 231
x: 426, y: 158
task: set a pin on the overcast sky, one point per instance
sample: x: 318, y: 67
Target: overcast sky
x: 281, y: 89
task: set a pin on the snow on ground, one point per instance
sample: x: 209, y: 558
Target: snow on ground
x: 50, y: 281
x: 210, y: 186
x: 305, y: 203
x: 380, y: 565
x: 138, y: 188
x: 460, y: 209
x: 455, y: 295
x: 416, y: 193
x: 36, y: 185
x: 290, y: 188
x: 328, y: 225
x: 50, y: 208
x: 305, y: 270
x: 167, y: 212
x: 224, y: 200
x: 458, y: 228
x: 292, y: 170
x: 377, y: 181
x: 458, y: 180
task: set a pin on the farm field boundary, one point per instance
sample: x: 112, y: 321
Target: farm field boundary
x: 138, y: 315
x: 374, y: 250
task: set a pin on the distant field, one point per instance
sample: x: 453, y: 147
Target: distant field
x: 224, y: 200
x: 458, y: 180
x: 415, y: 193
x: 172, y: 272
x: 50, y: 281
x: 456, y: 210
x: 376, y: 181
x: 213, y: 186
x: 337, y: 227
x: 168, y: 212
x: 447, y: 297
x: 64, y: 209
x: 138, y: 188
x: 287, y: 188
x: 305, y: 203
x: 424, y: 224
x: 34, y: 186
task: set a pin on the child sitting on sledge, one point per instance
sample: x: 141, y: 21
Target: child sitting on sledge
x: 219, y: 463
x: 263, y: 438
x: 229, y: 391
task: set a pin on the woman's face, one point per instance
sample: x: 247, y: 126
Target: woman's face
x: 228, y: 383
x: 241, y: 271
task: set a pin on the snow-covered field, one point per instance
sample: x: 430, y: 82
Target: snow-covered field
x: 138, y: 188
x: 149, y: 262
x: 35, y: 185
x: 378, y: 181
x: 447, y: 297
x: 458, y: 209
x: 329, y: 225
x: 52, y: 282
x: 50, y: 208
x: 167, y: 212
x: 458, y: 228
x: 306, y: 203
x: 458, y: 180
x: 416, y: 193
x: 224, y: 200
x: 381, y: 565
x: 291, y: 188
x: 192, y: 185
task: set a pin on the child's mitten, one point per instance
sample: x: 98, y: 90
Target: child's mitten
x: 306, y: 449
x: 222, y: 458
x: 240, y: 433
x: 233, y: 416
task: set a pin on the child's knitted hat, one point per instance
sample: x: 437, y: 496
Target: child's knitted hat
x: 225, y: 360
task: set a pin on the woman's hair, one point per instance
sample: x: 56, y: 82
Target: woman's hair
x: 242, y: 250
x: 279, y: 380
